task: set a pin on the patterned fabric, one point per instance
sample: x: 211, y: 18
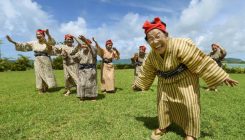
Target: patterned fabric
x: 42, y: 64
x: 69, y: 65
x: 218, y: 56
x: 87, y: 86
x: 178, y: 96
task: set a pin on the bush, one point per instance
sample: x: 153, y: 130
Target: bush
x: 21, y: 64
x: 5, y: 64
x: 57, y: 63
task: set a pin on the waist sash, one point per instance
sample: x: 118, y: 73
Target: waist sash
x: 87, y: 66
x: 107, y: 60
x: 169, y: 74
x: 36, y: 53
x: 138, y: 63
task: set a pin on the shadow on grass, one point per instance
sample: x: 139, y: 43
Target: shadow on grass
x: 55, y: 89
x: 152, y: 123
x: 118, y: 89
x: 100, y: 96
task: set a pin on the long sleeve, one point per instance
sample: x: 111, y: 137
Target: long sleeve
x: 24, y: 47
x: 100, y: 51
x: 201, y: 64
x: 147, y: 76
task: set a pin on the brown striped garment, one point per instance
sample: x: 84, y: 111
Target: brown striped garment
x: 178, y: 97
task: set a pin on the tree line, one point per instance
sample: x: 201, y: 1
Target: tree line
x: 24, y: 63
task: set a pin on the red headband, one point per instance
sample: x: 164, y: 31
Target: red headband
x: 108, y: 42
x: 41, y: 32
x: 156, y: 24
x: 67, y: 36
x: 143, y: 48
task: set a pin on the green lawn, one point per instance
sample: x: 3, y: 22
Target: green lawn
x: 24, y: 114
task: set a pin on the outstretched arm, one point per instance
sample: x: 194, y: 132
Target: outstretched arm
x: 20, y: 46
x: 11, y: 40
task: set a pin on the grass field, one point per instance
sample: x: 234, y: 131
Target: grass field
x: 126, y: 115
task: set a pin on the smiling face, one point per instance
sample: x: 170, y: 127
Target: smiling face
x: 141, y: 50
x: 214, y: 48
x: 109, y: 46
x: 39, y: 36
x: 69, y: 41
x: 157, y: 40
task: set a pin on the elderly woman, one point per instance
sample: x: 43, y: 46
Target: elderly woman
x: 42, y: 64
x: 137, y: 60
x: 218, y: 53
x: 69, y: 65
x: 107, y: 67
x: 178, y: 63
x: 86, y: 56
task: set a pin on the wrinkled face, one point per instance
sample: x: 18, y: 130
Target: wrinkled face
x: 214, y: 48
x: 39, y: 36
x: 141, y: 50
x: 69, y: 41
x: 157, y: 40
x: 108, y: 46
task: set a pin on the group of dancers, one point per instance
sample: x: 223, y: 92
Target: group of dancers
x: 79, y: 63
x: 177, y: 63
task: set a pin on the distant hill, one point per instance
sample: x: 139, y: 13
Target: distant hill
x: 233, y: 60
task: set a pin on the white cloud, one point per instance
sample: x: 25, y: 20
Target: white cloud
x: 127, y: 34
x: 74, y: 27
x: 20, y: 20
x: 208, y: 21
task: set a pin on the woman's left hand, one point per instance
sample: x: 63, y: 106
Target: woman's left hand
x: 230, y: 82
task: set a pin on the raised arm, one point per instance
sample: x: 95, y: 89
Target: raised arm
x: 100, y: 51
x: 116, y: 53
x: 20, y: 46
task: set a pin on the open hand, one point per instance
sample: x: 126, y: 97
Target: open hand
x: 230, y: 82
x: 82, y: 38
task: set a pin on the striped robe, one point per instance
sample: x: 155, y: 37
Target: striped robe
x: 178, y: 98
x: 107, y: 69
x: 42, y: 64
x: 69, y: 65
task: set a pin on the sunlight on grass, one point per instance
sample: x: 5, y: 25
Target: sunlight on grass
x: 125, y: 115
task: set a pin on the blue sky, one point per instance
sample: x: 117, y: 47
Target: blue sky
x: 204, y: 21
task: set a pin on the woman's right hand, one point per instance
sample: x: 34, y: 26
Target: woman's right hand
x: 10, y: 39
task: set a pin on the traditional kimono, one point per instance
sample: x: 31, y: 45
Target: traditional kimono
x: 138, y: 63
x: 87, y: 86
x: 178, y: 96
x: 107, y: 69
x: 42, y: 63
x: 69, y: 65
x: 218, y: 56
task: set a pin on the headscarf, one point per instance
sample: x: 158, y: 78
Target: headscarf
x: 108, y: 42
x: 156, y: 24
x: 67, y: 36
x: 42, y: 32
x: 143, y: 48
